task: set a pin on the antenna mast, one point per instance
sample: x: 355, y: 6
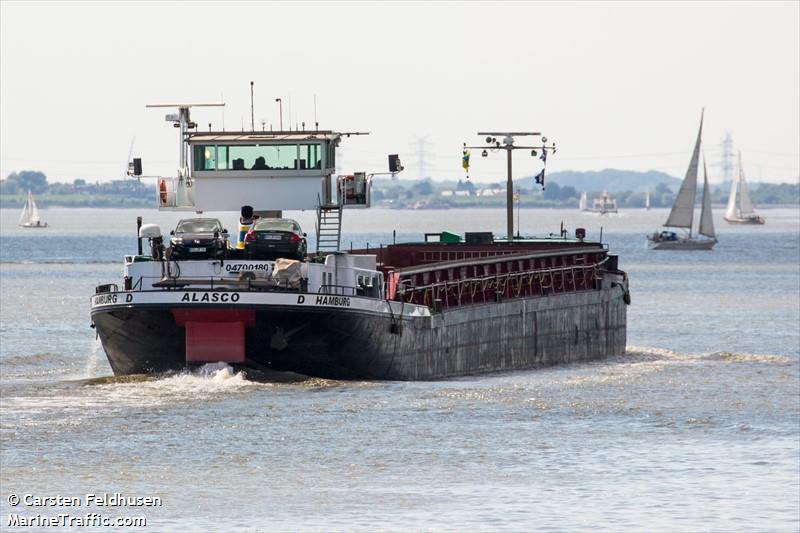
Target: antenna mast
x: 508, y: 145
x: 252, y: 115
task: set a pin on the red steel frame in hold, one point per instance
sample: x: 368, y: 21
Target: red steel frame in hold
x: 507, y: 278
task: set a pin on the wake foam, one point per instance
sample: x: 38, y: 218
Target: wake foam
x: 646, y: 353
x: 747, y: 358
x: 211, y: 376
x: 208, y: 382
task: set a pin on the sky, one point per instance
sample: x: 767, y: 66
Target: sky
x: 614, y: 84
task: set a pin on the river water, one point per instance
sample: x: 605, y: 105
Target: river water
x: 696, y: 427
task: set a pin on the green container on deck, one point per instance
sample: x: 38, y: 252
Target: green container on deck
x: 449, y: 238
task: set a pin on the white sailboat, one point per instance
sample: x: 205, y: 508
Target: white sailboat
x: 741, y: 212
x: 582, y: 204
x: 682, y: 214
x: 30, y: 214
x: 647, y: 201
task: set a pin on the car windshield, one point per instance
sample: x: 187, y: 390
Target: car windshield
x: 198, y: 226
x: 277, y: 224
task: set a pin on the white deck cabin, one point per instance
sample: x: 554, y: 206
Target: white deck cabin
x: 271, y: 171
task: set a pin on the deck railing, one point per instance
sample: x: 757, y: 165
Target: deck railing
x: 216, y: 283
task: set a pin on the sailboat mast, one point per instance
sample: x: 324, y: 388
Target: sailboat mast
x: 741, y: 179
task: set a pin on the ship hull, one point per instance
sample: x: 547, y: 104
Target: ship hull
x: 705, y: 244
x: 601, y: 211
x: 756, y: 221
x: 342, y: 343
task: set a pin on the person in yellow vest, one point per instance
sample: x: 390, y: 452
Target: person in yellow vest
x: 246, y: 222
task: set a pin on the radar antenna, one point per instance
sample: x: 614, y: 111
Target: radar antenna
x: 507, y: 143
x: 128, y: 162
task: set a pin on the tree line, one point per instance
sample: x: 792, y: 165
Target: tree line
x: 555, y: 195
x: 132, y: 192
x: 78, y: 193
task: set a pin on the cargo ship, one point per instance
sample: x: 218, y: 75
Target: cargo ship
x: 448, y: 305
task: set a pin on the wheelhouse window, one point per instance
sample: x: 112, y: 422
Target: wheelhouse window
x: 205, y: 157
x: 258, y: 157
x: 223, y: 161
x: 310, y: 156
x: 331, y: 161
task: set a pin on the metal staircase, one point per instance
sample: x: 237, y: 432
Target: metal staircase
x: 329, y: 227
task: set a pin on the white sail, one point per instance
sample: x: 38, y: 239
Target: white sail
x: 24, y: 217
x: 731, y: 211
x: 34, y: 216
x: 682, y: 212
x: 582, y: 204
x: 745, y: 205
x: 647, y: 201
x: 706, y: 216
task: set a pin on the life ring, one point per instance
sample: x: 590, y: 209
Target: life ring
x: 162, y: 191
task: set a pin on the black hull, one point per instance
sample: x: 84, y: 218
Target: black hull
x: 347, y: 344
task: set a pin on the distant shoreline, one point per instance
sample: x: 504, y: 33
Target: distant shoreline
x: 148, y: 206
x: 46, y: 202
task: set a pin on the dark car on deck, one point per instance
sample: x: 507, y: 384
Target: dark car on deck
x: 199, y: 238
x: 270, y: 238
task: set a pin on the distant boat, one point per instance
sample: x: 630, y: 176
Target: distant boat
x: 602, y: 204
x: 30, y: 215
x: 647, y: 200
x: 741, y: 212
x: 583, y: 202
x: 682, y: 213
